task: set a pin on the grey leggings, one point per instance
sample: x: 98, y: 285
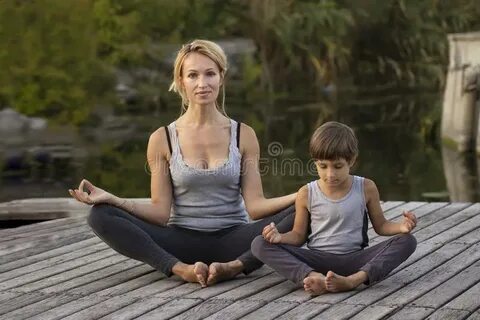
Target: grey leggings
x: 163, y: 246
x: 295, y: 263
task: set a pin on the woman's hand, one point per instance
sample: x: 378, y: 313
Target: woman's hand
x: 271, y: 234
x: 93, y: 195
x: 409, y: 222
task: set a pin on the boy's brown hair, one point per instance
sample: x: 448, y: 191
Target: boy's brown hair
x: 333, y: 141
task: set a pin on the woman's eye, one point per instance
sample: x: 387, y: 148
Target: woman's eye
x: 192, y: 75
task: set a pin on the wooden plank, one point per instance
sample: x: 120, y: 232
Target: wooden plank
x: 129, y: 280
x: 272, y: 310
x: 183, y: 290
x: 474, y: 316
x: 411, y: 313
x: 119, y: 283
x: 42, y: 209
x: 374, y: 313
x: 116, y: 268
x: 136, y: 309
x: 434, y: 278
x: 4, y: 233
x: 340, y: 312
x: 311, y: 310
x: 135, y: 285
x: 451, y: 288
x: 281, y: 305
x: 171, y: 309
x: 223, y: 300
x: 424, y: 214
x: 252, y: 303
x: 38, y: 243
x: 390, y: 205
x: 36, y: 267
x: 435, y: 256
x: 251, y: 288
x: 71, y: 273
x: 54, y: 270
x: 47, y: 229
x: 398, y: 210
x: 234, y: 284
x: 8, y: 295
x: 113, y: 304
x: 468, y: 300
x: 47, y: 254
x: 407, y: 275
x: 369, y: 295
x: 18, y: 302
x: 449, y: 314
x: 448, y: 223
x: 46, y: 245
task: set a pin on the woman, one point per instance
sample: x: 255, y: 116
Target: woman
x: 204, y: 180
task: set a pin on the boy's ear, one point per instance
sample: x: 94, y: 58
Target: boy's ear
x: 352, y: 161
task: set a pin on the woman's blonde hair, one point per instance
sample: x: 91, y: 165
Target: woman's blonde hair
x: 212, y: 51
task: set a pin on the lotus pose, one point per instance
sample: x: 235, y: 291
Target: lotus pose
x: 331, y: 215
x: 205, y: 183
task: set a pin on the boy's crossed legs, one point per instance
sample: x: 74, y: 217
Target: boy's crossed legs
x: 320, y: 272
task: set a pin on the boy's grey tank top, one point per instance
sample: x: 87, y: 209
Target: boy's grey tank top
x: 338, y: 226
x: 206, y: 199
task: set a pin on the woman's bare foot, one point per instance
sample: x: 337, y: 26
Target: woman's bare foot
x: 337, y: 283
x: 223, y: 271
x: 314, y: 284
x: 197, y: 272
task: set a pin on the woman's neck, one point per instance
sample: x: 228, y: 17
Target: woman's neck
x: 202, y: 115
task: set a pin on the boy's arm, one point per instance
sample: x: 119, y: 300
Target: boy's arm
x: 298, y: 235
x: 381, y: 225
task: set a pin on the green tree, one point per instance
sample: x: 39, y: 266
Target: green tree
x: 48, y: 59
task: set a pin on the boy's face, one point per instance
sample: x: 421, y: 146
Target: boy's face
x: 334, y: 172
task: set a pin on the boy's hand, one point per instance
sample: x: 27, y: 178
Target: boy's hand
x: 271, y: 234
x: 409, y: 222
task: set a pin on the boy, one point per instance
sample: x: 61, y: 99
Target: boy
x: 335, y: 208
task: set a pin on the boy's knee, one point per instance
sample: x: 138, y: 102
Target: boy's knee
x: 409, y: 241
x: 258, y: 245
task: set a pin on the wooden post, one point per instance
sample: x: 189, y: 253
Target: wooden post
x: 460, y: 114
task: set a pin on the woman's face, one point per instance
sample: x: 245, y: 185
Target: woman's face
x: 200, y: 79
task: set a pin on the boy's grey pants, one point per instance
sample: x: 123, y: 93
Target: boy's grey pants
x: 295, y: 263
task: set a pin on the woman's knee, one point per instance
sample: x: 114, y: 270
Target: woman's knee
x: 99, y: 216
x: 258, y: 246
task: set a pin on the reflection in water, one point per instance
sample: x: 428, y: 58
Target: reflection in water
x: 397, y: 149
x: 461, y: 174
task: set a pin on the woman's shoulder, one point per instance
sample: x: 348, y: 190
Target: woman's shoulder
x: 157, y: 141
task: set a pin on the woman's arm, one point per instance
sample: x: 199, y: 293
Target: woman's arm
x: 158, y: 211
x: 381, y: 225
x: 257, y: 205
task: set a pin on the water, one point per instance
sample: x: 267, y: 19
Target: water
x: 398, y: 135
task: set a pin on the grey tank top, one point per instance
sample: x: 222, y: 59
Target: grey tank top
x: 206, y: 199
x: 337, y: 226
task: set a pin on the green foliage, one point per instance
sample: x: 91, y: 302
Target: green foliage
x: 48, y: 60
x: 58, y: 57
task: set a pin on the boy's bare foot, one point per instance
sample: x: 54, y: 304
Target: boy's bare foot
x: 314, y: 284
x: 197, y: 272
x: 223, y: 271
x: 337, y: 283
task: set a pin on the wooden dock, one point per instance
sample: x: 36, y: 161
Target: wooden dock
x: 60, y: 270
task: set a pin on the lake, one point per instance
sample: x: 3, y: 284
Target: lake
x: 398, y: 133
